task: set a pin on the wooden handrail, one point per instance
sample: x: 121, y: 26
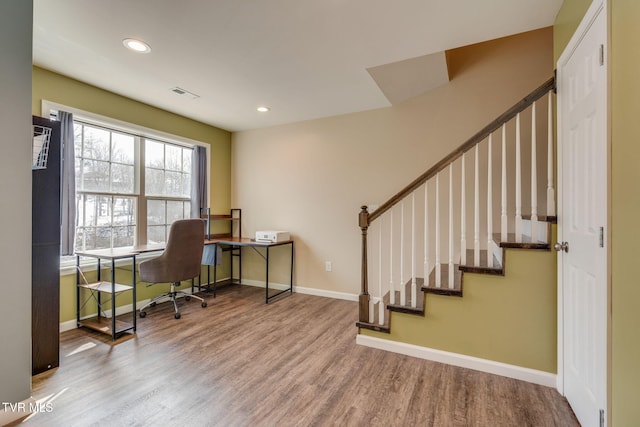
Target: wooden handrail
x: 470, y: 143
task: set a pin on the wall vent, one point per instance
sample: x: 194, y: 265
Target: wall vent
x: 183, y: 92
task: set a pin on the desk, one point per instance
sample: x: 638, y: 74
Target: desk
x: 115, y: 327
x: 246, y: 242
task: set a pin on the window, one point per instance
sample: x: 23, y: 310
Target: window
x: 129, y: 189
x: 167, y: 187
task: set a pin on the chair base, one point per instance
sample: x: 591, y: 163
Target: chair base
x: 172, y: 296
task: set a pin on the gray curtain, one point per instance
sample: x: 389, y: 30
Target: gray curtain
x: 68, y: 191
x: 199, y: 181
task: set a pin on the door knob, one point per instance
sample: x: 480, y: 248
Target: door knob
x: 561, y: 246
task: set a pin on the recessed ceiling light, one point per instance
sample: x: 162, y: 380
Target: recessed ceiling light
x: 136, y: 45
x: 263, y: 109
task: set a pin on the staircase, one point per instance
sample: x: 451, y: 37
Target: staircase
x: 448, y: 223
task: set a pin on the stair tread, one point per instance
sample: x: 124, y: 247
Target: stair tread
x: 526, y: 243
x: 444, y: 288
x: 374, y: 326
x: 469, y: 267
x: 406, y: 308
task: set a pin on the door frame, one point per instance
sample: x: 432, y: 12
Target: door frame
x: 597, y: 7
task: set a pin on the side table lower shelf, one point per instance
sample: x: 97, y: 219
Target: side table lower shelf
x: 104, y: 325
x: 100, y: 322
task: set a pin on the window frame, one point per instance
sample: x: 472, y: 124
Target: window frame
x: 67, y: 264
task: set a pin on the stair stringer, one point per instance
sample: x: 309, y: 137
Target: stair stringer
x: 508, y: 318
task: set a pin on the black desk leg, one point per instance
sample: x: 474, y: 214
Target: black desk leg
x: 133, y: 292
x: 291, y: 279
x: 266, y: 282
x: 113, y: 299
x: 215, y: 270
x: 99, y: 293
x: 78, y: 290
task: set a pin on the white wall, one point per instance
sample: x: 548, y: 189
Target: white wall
x: 312, y: 177
x: 15, y: 191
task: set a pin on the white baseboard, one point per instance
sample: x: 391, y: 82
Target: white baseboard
x: 303, y: 290
x: 489, y: 366
x: 327, y: 294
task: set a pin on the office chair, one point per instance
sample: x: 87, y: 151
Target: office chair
x: 179, y: 261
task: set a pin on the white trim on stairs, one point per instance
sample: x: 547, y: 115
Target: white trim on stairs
x: 489, y: 366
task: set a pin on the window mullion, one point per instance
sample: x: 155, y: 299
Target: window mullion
x: 112, y: 204
x: 141, y: 200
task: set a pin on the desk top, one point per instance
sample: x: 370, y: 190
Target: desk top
x: 113, y: 253
x: 244, y: 241
x: 123, y: 252
x: 131, y: 251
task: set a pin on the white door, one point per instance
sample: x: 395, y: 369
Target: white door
x: 582, y: 216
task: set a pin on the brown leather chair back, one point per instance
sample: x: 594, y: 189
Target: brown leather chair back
x: 181, y: 258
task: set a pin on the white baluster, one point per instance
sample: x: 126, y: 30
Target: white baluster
x: 476, y: 212
x: 381, y: 303
x: 451, y: 284
x: 534, y: 176
x: 426, y: 234
x: 438, y: 270
x: 503, y: 208
x: 489, y: 202
x: 463, y: 215
x: 392, y: 292
x: 414, y: 296
x: 551, y: 197
x: 518, y: 183
x: 403, y: 288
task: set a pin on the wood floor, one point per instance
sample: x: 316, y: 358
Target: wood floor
x: 293, y: 362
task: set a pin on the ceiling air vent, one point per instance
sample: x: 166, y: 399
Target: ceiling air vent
x: 182, y: 92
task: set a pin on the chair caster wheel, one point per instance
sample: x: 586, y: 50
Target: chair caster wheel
x: 187, y: 297
x: 153, y: 304
x: 204, y: 304
x: 177, y: 315
x: 143, y: 314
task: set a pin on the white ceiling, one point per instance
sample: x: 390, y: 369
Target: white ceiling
x: 304, y: 59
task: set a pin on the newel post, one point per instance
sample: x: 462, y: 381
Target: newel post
x: 363, y: 220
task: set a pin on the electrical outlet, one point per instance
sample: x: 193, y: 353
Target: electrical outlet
x: 327, y: 266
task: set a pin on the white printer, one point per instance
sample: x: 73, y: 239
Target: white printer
x: 272, y: 236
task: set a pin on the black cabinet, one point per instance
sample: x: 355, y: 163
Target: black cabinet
x: 45, y: 264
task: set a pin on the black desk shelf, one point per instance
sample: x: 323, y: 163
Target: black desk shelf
x: 234, y: 219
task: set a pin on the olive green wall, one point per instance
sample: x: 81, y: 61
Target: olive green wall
x: 624, y: 68
x: 64, y: 90
x: 60, y: 89
x: 488, y: 322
